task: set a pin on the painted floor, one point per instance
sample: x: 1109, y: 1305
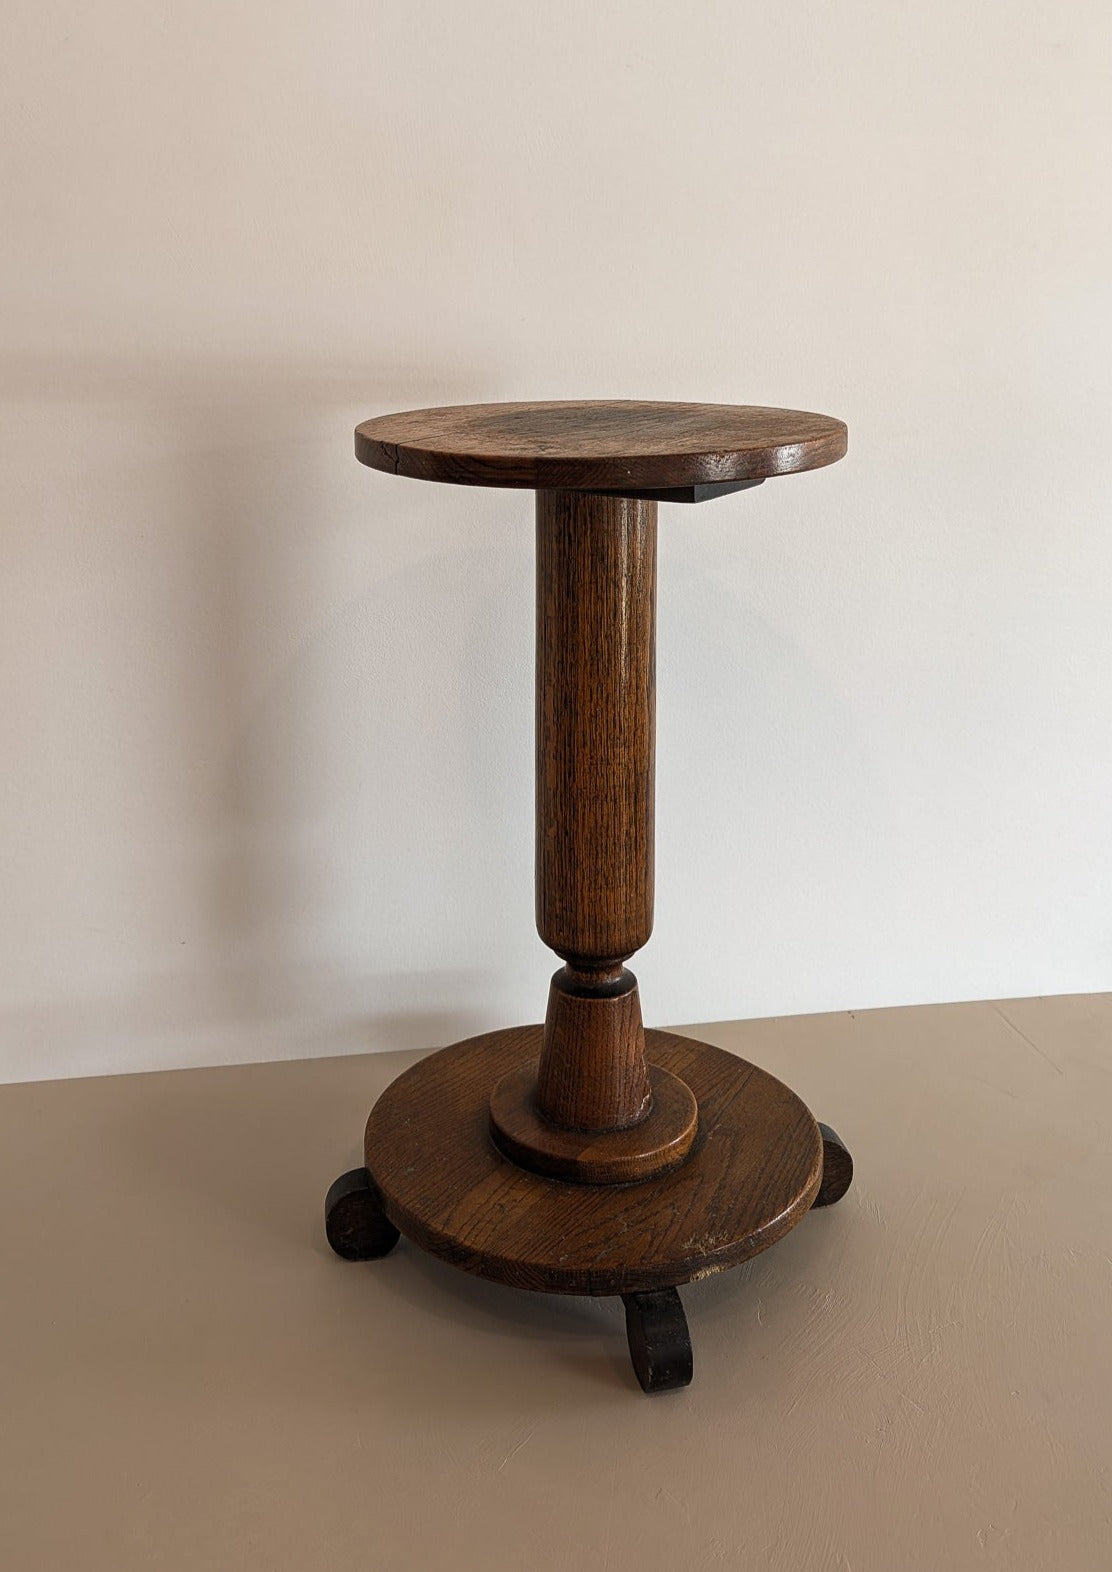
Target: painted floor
x: 917, y: 1378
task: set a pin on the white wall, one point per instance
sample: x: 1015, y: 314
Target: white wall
x: 266, y: 715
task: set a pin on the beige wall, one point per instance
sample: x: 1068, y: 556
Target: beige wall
x: 266, y: 717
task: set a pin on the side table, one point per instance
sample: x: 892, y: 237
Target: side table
x: 588, y: 1155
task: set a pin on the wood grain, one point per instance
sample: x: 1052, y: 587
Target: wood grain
x: 595, y: 744
x: 592, y: 1073
x: 659, y: 1142
x: 595, y: 725
x: 599, y: 445
x: 751, y: 1176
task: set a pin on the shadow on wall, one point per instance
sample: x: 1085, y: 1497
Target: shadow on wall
x: 258, y: 747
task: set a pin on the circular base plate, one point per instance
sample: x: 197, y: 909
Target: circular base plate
x: 752, y: 1174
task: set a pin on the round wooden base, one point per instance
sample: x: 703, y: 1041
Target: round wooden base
x: 753, y: 1172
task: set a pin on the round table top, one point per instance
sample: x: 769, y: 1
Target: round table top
x: 599, y: 445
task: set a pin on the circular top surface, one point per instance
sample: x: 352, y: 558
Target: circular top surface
x: 608, y: 445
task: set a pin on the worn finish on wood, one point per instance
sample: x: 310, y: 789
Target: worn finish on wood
x: 354, y: 1222
x: 837, y: 1167
x: 660, y: 1141
x: 659, y: 1342
x: 609, y: 445
x: 751, y: 1176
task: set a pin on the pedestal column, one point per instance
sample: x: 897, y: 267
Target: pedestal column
x: 595, y: 755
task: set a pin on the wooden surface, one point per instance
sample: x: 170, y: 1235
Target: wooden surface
x: 837, y: 1167
x: 918, y: 1378
x: 659, y: 1340
x: 657, y: 1143
x: 592, y: 1073
x: 751, y: 1176
x: 600, y: 445
x: 354, y: 1223
x: 595, y: 724
x: 595, y: 745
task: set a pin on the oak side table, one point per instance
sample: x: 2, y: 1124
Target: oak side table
x: 588, y: 1155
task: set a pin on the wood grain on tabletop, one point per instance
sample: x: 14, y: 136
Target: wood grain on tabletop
x: 599, y: 445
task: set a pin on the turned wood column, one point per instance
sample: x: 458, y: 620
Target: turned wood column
x: 596, y: 708
x: 591, y: 1109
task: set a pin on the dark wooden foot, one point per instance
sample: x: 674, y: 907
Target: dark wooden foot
x: 837, y: 1168
x: 659, y: 1342
x: 357, y: 1227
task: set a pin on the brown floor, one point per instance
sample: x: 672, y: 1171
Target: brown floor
x: 918, y: 1378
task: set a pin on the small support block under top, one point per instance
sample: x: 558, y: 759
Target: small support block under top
x: 723, y: 488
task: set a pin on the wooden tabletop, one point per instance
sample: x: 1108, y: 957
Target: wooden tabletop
x: 599, y: 445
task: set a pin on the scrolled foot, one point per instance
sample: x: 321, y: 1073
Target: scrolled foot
x: 357, y: 1227
x: 837, y: 1168
x: 659, y: 1342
